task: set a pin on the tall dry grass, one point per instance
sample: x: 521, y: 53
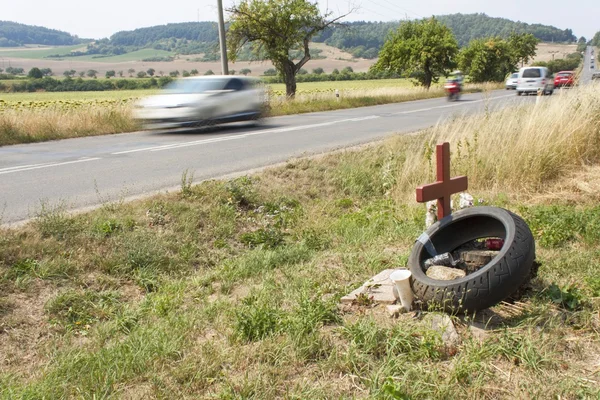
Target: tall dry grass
x: 27, y: 125
x: 521, y: 148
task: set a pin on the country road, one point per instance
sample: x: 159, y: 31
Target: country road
x: 82, y: 173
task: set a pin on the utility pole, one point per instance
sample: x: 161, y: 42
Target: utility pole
x: 222, y: 44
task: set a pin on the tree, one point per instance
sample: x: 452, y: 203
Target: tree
x: 185, y: 73
x: 523, y: 47
x: 141, y: 74
x: 174, y: 74
x: 150, y: 71
x: 270, y: 72
x: 110, y: 74
x: 595, y: 40
x: 46, y: 71
x: 1, y: 70
x: 275, y: 28
x: 131, y: 71
x: 120, y: 73
x: 423, y: 49
x: 581, y: 44
x: 70, y: 72
x: 209, y: 72
x: 318, y: 71
x: 194, y: 72
x: 347, y: 70
x: 35, y: 73
x: 488, y: 59
x: 245, y: 71
x: 92, y: 73
x: 81, y: 74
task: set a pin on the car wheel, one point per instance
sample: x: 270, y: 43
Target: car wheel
x: 493, y: 282
x: 518, y: 93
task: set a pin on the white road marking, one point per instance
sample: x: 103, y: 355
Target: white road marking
x: 458, y: 104
x: 11, y: 170
x: 263, y: 132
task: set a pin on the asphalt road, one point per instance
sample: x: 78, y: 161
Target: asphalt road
x: 82, y: 173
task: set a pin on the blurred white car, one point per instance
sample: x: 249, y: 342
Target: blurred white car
x: 202, y: 101
x: 511, y: 81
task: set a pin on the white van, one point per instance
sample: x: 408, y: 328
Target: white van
x: 532, y: 79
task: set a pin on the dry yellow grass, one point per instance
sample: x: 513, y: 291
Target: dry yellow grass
x: 520, y: 148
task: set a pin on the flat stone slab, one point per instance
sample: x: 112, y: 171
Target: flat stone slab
x: 379, y: 288
x: 444, y: 325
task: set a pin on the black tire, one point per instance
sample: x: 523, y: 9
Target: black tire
x: 518, y: 93
x: 492, y: 283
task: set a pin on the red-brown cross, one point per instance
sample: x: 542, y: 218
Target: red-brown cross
x: 444, y: 187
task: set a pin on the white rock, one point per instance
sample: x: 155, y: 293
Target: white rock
x: 466, y: 200
x: 445, y: 273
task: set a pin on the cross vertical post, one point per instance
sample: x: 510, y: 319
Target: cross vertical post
x: 445, y: 186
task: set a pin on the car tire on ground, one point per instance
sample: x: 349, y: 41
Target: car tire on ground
x: 518, y: 93
x: 493, y: 282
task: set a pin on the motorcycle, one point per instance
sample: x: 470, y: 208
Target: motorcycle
x: 453, y: 90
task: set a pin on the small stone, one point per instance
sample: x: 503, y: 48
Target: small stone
x: 445, y: 273
x: 443, y: 324
x: 480, y: 257
x: 394, y: 310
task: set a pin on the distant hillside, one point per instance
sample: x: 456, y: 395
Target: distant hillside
x: 364, y: 39
x: 168, y: 37
x: 13, y: 34
x: 474, y: 26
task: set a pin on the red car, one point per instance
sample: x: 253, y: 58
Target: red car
x: 563, y: 79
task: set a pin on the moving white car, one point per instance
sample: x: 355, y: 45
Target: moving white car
x: 511, y: 81
x: 203, y: 101
x: 532, y: 79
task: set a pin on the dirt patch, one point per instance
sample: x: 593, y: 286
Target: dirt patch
x: 24, y: 330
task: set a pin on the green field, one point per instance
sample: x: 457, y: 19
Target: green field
x: 137, y: 55
x: 38, y: 53
x: 48, y: 51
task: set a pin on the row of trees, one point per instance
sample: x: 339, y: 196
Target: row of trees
x: 427, y: 50
x: 74, y: 85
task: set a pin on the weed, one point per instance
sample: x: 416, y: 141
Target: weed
x: 187, y: 180
x: 77, y: 309
x: 257, y: 318
x: 569, y: 297
x: 242, y: 192
x: 53, y: 221
x: 268, y: 238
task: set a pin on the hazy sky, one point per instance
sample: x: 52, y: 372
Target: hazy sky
x: 103, y: 18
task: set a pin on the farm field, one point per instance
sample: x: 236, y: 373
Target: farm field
x: 303, y: 88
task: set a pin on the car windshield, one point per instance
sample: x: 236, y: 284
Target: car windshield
x: 189, y: 86
x: 514, y: 76
x: 532, y: 73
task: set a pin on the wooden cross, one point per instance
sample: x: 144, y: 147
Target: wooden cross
x: 444, y: 187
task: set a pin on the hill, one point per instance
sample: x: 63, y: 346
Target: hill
x: 364, y: 39
x: 13, y: 34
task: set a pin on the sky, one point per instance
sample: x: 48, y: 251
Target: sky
x: 102, y: 19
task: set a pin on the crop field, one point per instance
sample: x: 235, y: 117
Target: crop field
x: 133, y: 56
x: 38, y: 53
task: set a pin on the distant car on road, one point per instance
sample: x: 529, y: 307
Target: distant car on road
x: 511, y: 81
x: 564, y: 79
x: 202, y: 101
x: 595, y: 76
x: 532, y: 79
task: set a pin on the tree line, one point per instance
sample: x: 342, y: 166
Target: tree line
x: 13, y: 34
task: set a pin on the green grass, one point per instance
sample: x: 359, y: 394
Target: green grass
x: 230, y: 290
x: 78, y: 96
x: 41, y: 53
x: 137, y: 55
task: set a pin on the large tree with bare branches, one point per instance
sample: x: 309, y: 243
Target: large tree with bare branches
x: 276, y: 28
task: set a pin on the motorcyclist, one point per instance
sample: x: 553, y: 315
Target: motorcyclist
x: 457, y: 77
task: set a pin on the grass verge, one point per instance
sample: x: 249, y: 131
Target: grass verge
x: 230, y: 289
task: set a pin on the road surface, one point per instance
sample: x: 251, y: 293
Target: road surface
x: 85, y: 172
